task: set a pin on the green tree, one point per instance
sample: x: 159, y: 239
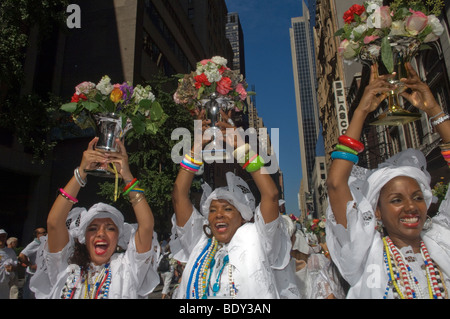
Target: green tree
x: 30, y: 117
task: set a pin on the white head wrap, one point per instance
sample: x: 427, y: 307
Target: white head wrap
x: 100, y: 210
x: 411, y: 163
x: 73, y: 220
x: 237, y: 193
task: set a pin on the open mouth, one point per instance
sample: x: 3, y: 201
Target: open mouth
x: 221, y: 227
x: 101, y: 247
x: 410, y: 221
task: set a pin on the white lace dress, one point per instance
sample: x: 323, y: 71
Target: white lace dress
x: 133, y: 275
x: 254, y: 252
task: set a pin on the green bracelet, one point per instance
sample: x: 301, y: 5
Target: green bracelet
x: 130, y: 188
x: 255, y: 165
x: 346, y: 149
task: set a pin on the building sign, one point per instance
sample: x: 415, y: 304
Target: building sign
x: 341, y: 106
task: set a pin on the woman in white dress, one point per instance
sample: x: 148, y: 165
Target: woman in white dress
x: 411, y: 258
x: 79, y: 259
x: 231, y: 248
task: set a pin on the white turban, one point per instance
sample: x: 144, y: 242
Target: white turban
x: 100, y: 210
x: 411, y: 163
x: 237, y: 193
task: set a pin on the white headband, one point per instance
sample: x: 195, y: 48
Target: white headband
x: 411, y: 163
x: 237, y: 193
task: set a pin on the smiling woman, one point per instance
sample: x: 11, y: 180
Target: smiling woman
x: 231, y: 248
x: 378, y: 232
x: 80, y: 258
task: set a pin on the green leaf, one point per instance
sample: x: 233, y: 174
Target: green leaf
x: 90, y: 106
x: 138, y: 125
x: 200, y: 92
x: 69, y: 107
x: 152, y: 128
x: 156, y: 112
x: 145, y: 104
x: 386, y: 55
x: 109, y: 106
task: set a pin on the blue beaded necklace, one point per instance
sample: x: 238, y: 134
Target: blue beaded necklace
x: 216, y: 286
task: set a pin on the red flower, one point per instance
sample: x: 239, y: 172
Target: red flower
x: 349, y: 15
x: 223, y: 69
x: 76, y: 98
x: 224, y: 85
x: 201, y: 79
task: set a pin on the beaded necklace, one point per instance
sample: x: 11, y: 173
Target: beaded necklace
x: 401, y: 275
x: 94, y: 287
x: 196, y: 265
x: 200, y: 276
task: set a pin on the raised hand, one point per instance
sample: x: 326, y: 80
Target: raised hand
x: 421, y: 96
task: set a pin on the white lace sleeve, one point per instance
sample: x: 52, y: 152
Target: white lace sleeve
x: 184, y: 239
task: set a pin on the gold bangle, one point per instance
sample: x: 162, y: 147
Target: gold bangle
x: 136, y: 198
x: 192, y: 172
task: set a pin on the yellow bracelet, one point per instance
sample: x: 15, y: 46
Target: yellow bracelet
x: 193, y: 160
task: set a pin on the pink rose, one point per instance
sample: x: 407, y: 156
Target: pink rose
x: 205, y: 62
x: 242, y: 92
x: 380, y: 18
x: 84, y: 87
x: 416, y: 22
x: 224, y: 85
x: 347, y: 49
x: 371, y: 38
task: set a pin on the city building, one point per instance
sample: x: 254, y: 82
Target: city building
x: 305, y: 84
x: 235, y: 35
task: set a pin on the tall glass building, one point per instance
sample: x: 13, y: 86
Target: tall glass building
x: 302, y: 47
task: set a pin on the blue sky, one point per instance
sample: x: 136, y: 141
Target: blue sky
x: 268, y: 61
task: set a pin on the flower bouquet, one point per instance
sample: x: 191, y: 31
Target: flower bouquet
x: 316, y: 226
x: 113, y: 110
x: 212, y: 79
x: 389, y: 36
x: 213, y: 86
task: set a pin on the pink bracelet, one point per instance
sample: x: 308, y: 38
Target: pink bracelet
x: 70, y: 198
x: 188, y: 168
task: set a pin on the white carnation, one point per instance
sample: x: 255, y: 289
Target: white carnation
x: 105, y: 86
x: 219, y: 60
x: 140, y: 93
x: 436, y: 28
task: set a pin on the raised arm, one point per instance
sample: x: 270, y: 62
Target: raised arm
x: 180, y: 194
x: 142, y: 211
x: 337, y: 182
x: 58, y: 235
x: 269, y: 195
x: 263, y: 180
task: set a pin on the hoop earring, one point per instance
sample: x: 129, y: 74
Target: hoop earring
x: 210, y: 235
x: 379, y: 227
x: 428, y: 223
